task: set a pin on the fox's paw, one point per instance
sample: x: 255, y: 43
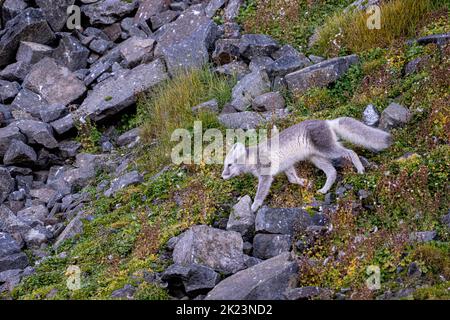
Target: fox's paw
x: 322, y: 191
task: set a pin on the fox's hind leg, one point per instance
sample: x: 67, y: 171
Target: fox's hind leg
x: 326, y: 166
x: 351, y: 155
x: 292, y: 176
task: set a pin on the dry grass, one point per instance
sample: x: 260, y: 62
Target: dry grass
x: 349, y: 31
x: 169, y: 107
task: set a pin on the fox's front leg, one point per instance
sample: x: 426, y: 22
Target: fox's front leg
x: 264, y: 184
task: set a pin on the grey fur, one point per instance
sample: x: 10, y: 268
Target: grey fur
x: 316, y: 141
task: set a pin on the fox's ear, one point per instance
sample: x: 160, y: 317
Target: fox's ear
x: 238, y: 151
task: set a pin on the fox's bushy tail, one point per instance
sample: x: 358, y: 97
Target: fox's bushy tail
x: 358, y: 133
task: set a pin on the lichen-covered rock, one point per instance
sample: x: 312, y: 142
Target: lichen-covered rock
x: 394, y: 116
x: 266, y: 246
x: 186, y: 42
x: 109, y: 11
x: 29, y: 25
x: 214, y: 248
x: 56, y: 84
x: 281, y: 221
x: 242, y: 219
x: 268, y: 280
x: 55, y: 12
x: 115, y: 95
x: 319, y: 75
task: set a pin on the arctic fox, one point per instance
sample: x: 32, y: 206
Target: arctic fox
x: 316, y: 141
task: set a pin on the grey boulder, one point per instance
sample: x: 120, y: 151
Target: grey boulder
x: 394, y: 116
x: 108, y: 12
x: 19, y: 153
x: 242, y: 219
x: 29, y: 25
x: 195, y: 279
x: 186, y: 42
x: 214, y: 248
x: 248, y: 88
x: 54, y: 83
x: 254, y: 45
x: 268, y: 280
x: 266, y: 246
x: 118, y: 184
x: 115, y: 95
x: 37, y: 133
x: 319, y: 75
x: 55, y: 12
x: 268, y: 102
x: 282, y: 220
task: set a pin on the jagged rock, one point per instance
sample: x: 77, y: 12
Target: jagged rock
x: 394, y: 116
x: 213, y: 6
x: 11, y: 8
x: 10, y: 255
x: 237, y: 69
x: 34, y: 215
x: 439, y: 39
x: 37, y: 133
x: 5, y: 115
x: 19, y: 153
x: 10, y: 223
x: 287, y: 64
x: 64, y: 124
x: 50, y: 113
x: 315, y: 59
x: 195, y: 279
x: 149, y: 8
x: 286, y: 51
x: 232, y: 9
x: 281, y: 220
x: 250, y: 120
x: 69, y: 148
x: 214, y: 248
x: 306, y: 293
x: 56, y: 84
x: 36, y: 237
x: 31, y: 52
x: 268, y: 102
x: 260, y: 63
x: 118, y: 184
x: 8, y: 91
x: 30, y: 24
x: 71, y: 54
x: 113, y: 32
x: 10, y: 279
x: 43, y: 195
x: 128, y: 137
x: 208, y: 106
x: 28, y: 103
x: 74, y: 228
x: 55, y: 12
x: 6, y: 184
x: 248, y: 88
x: 423, y: 236
x: 266, y: 246
x: 117, y: 94
x: 160, y: 19
x: 7, y: 135
x: 16, y: 71
x: 186, y: 42
x: 242, y: 219
x: 267, y: 280
x: 319, y: 75
x: 254, y: 45
x: 136, y: 50
x: 226, y: 51
x: 108, y: 12
x: 100, y: 46
x: 371, y: 117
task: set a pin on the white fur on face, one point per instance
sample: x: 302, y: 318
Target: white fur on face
x: 233, y: 161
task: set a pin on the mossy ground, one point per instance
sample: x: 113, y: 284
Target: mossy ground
x: 127, y: 234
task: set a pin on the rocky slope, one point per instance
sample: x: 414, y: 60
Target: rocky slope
x: 63, y: 202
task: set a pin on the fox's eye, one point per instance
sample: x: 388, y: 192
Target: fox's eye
x: 229, y: 165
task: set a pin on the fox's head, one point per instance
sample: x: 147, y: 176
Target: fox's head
x: 234, y: 164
